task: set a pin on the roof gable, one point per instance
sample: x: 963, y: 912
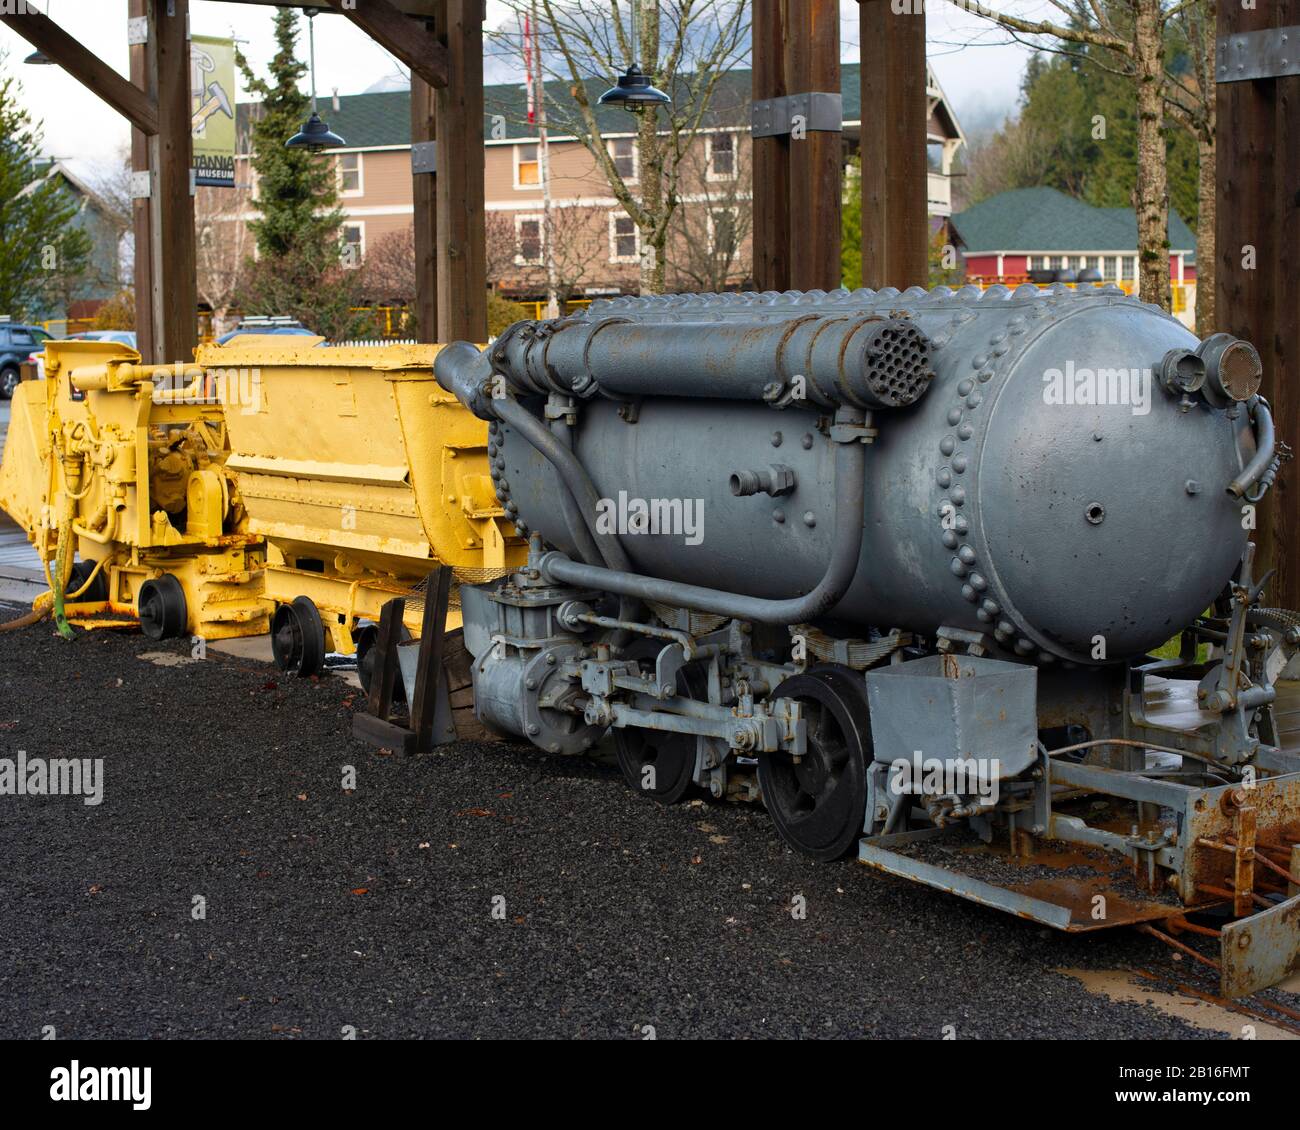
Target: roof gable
x: 1046, y: 219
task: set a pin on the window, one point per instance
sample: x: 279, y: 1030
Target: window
x: 722, y: 156
x: 1111, y: 270
x: 622, y: 150
x: 528, y: 240
x: 354, y: 245
x: 1094, y: 262
x: 349, y: 174
x: 624, y: 239
x: 1129, y: 268
x: 1057, y: 262
x: 528, y: 169
x: 722, y: 234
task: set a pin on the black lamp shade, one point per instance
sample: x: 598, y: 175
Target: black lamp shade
x: 634, y: 92
x: 314, y: 134
x: 38, y: 59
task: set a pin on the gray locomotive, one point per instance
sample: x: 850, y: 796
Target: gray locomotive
x: 896, y: 564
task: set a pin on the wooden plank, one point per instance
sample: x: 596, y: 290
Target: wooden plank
x: 87, y: 68
x: 409, y: 39
x: 462, y: 252
x: 812, y: 63
x: 383, y: 678
x: 1257, y: 242
x: 424, y: 191
x: 430, y: 678
x: 770, y: 159
x: 1285, y: 331
x: 895, y: 214
x: 383, y: 733
x: 175, y: 284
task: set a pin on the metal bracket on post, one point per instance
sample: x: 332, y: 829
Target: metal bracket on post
x: 424, y: 157
x: 141, y: 184
x: 137, y: 31
x: 820, y: 110
x: 1250, y: 55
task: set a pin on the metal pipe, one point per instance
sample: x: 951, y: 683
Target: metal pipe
x: 571, y: 472
x: 587, y: 548
x: 1265, y: 441
x: 863, y: 360
x: 846, y: 546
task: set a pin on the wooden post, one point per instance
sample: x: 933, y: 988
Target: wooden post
x: 175, y: 286
x: 424, y: 185
x: 166, y: 290
x: 895, y: 211
x: 430, y: 676
x: 142, y: 207
x: 770, y: 158
x: 812, y: 64
x: 462, y: 254
x: 1258, y: 245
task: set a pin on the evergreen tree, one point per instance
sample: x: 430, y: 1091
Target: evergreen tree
x: 300, y: 269
x: 42, y: 251
x: 296, y: 188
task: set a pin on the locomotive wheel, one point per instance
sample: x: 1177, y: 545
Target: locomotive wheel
x: 366, y: 637
x: 160, y: 606
x: 656, y: 763
x: 298, y: 638
x: 97, y: 593
x: 818, y: 805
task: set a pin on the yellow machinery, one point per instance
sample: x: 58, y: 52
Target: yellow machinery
x: 122, y: 464
x: 362, y: 474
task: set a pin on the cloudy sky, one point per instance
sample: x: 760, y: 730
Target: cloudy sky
x: 977, y: 64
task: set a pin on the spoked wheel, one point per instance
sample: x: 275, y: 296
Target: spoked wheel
x: 656, y: 763
x: 298, y: 638
x: 366, y: 638
x: 818, y: 804
x: 160, y: 605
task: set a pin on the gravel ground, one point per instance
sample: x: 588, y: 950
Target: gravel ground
x: 374, y: 908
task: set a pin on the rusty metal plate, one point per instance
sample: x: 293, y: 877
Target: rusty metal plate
x: 1261, y: 950
x: 1063, y: 900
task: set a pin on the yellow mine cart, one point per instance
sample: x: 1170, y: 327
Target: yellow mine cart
x: 362, y: 474
x: 122, y: 465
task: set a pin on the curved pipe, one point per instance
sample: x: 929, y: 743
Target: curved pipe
x: 850, y: 492
x: 571, y: 472
x: 587, y: 548
x: 1265, y: 442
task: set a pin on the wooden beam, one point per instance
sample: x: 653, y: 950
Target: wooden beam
x: 409, y: 39
x: 771, y: 155
x: 812, y: 64
x: 424, y: 194
x: 166, y: 290
x: 87, y: 68
x: 462, y: 256
x: 895, y: 212
x: 1258, y: 244
x: 142, y: 206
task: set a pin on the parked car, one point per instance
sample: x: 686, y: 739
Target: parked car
x: 265, y: 325
x: 123, y: 337
x: 17, y: 343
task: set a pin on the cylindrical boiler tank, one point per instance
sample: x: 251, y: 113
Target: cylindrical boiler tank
x: 1048, y: 490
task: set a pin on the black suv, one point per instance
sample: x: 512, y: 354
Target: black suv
x: 17, y: 343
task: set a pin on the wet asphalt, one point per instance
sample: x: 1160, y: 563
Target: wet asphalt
x: 228, y: 885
